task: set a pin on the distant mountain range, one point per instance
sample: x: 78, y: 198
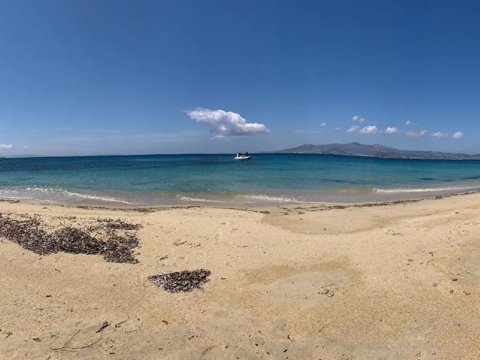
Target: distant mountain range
x: 380, y: 151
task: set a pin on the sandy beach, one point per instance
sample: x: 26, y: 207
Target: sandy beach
x: 397, y: 281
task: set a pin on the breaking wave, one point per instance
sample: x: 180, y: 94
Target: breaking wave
x: 58, y: 194
x: 426, y: 190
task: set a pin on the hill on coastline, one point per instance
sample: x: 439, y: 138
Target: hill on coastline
x: 380, y: 151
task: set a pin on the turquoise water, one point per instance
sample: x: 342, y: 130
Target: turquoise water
x: 265, y: 179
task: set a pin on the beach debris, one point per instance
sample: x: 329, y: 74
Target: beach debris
x: 117, y: 325
x: 118, y: 224
x: 116, y: 243
x: 328, y: 293
x: 104, y: 325
x: 328, y: 290
x: 75, y: 241
x: 181, y: 281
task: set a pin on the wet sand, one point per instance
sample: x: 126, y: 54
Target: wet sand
x: 398, y: 281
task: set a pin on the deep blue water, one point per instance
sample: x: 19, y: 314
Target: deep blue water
x: 266, y: 178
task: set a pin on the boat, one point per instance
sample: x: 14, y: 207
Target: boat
x: 242, y: 156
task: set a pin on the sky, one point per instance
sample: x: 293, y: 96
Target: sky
x: 86, y: 77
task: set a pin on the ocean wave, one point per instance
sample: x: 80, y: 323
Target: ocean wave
x: 268, y: 198
x: 55, y: 194
x: 96, y: 197
x: 191, y: 199
x: 425, y: 190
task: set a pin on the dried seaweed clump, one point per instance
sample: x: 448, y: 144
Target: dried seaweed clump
x: 181, y: 280
x: 120, y: 249
x: 27, y: 233
x: 30, y: 234
x: 117, y: 224
x: 75, y: 241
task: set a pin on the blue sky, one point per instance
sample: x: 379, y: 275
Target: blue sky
x: 128, y: 77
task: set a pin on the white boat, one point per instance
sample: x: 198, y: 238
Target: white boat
x: 242, y: 156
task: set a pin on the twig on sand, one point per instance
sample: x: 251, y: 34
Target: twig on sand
x: 117, y: 325
x: 66, y: 346
x: 103, y: 327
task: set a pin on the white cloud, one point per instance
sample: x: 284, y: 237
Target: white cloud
x: 408, y: 122
x: 458, y: 135
x: 368, y: 130
x: 226, y: 123
x: 439, y: 134
x: 353, y: 128
x: 416, y: 134
x: 6, y: 146
x: 358, y: 118
x: 323, y: 124
x: 391, y: 130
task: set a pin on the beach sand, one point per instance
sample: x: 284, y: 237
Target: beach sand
x: 398, y: 281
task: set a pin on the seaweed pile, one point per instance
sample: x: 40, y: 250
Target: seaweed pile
x: 181, y: 281
x: 114, y: 239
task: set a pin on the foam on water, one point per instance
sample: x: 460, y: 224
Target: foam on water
x: 269, y: 198
x: 56, y: 194
x: 427, y: 190
x: 192, y: 199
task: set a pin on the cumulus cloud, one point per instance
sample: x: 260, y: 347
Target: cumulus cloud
x: 226, y: 123
x: 408, y: 122
x: 458, y: 135
x: 352, y: 129
x: 368, y: 130
x: 391, y: 130
x: 416, y: 134
x: 439, y: 134
x: 358, y: 118
x: 6, y: 146
x: 323, y: 124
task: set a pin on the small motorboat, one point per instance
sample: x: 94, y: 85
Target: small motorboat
x: 242, y: 156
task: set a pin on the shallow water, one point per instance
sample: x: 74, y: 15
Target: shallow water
x: 218, y: 179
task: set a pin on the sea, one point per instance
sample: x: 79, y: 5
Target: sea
x: 266, y: 179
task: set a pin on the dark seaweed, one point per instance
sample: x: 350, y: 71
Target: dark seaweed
x: 30, y: 234
x: 181, y: 281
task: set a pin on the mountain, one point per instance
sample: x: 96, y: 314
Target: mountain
x: 380, y: 151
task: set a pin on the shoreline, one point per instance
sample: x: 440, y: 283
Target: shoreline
x: 252, y: 207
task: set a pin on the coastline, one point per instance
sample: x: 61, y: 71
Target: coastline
x: 259, y: 207
x: 391, y: 279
